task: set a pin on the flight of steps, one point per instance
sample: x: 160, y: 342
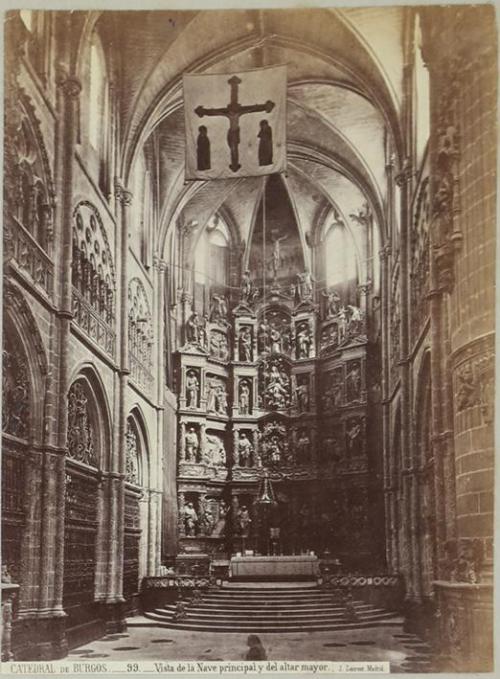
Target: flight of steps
x: 254, y: 609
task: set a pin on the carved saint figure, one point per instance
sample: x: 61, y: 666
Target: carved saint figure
x: 192, y: 389
x: 244, y: 400
x: 223, y: 348
x: 221, y: 399
x: 276, y: 255
x: 353, y: 383
x: 211, y: 395
x: 353, y: 432
x: 244, y: 450
x: 355, y: 320
x: 275, y: 337
x: 274, y: 450
x: 332, y: 303
x: 247, y: 290
x: 193, y: 329
x: 244, y: 521
x: 342, y: 321
x: 190, y: 519
x: 218, y: 310
x: 303, y: 341
x: 192, y: 445
x: 245, y: 344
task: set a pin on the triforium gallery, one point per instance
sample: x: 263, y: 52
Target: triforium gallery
x: 248, y: 326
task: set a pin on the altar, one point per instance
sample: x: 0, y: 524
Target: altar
x: 300, y: 567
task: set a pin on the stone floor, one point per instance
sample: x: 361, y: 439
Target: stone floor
x: 405, y: 652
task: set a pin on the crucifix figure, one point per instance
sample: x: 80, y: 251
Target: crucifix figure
x: 233, y: 111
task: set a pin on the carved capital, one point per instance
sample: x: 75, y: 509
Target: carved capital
x: 405, y: 175
x: 364, y: 288
x: 122, y: 194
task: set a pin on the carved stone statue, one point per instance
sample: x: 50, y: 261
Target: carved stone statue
x: 245, y: 344
x: 244, y: 521
x: 248, y: 292
x: 193, y: 329
x: 190, y: 519
x: 221, y: 398
x: 245, y: 450
x: 275, y: 337
x: 211, y: 395
x: 353, y: 383
x: 192, y: 389
x: 342, y: 324
x: 223, y: 348
x: 332, y: 303
x: 303, y: 341
x: 218, y: 308
x: 355, y: 321
x: 244, y: 398
x: 276, y: 255
x: 353, y: 435
x: 302, y: 392
x: 192, y: 445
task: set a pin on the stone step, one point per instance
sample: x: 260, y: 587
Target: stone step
x: 211, y: 609
x: 267, y: 617
x: 248, y: 627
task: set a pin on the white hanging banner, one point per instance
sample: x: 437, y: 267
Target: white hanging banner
x: 235, y: 123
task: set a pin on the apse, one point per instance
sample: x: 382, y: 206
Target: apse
x: 276, y: 253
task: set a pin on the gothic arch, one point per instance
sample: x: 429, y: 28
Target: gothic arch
x: 19, y: 318
x: 137, y: 420
x: 99, y: 411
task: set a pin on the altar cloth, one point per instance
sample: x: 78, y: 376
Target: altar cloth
x: 274, y: 567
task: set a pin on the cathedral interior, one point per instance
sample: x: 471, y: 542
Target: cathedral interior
x: 296, y: 368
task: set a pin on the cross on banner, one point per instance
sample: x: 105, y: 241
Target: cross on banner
x: 233, y: 111
x: 231, y: 141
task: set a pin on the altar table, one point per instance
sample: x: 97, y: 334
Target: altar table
x: 274, y: 567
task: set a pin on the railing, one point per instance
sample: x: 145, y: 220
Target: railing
x: 22, y: 248
x: 91, y: 322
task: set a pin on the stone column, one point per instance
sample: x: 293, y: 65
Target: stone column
x: 182, y: 443
x: 236, y: 452
x: 389, y: 500
x: 256, y: 449
x: 203, y: 443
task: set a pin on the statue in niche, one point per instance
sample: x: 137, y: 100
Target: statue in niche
x: 354, y: 436
x: 193, y: 329
x: 355, y: 320
x: 264, y: 337
x: 190, y: 519
x: 244, y: 521
x: 302, y: 393
x: 245, y: 450
x: 248, y: 292
x: 274, y: 450
x: 303, y: 446
x: 203, y: 338
x: 244, y: 398
x: 245, y: 344
x: 211, y: 395
x: 221, y: 398
x: 304, y: 340
x: 303, y: 287
x: 276, y: 255
x: 353, y: 382
x: 214, y: 343
x: 286, y: 338
x: 192, y: 445
x: 218, y: 308
x: 220, y: 525
x: 275, y: 337
x: 223, y: 348
x: 192, y: 389
x: 207, y: 520
x: 342, y: 324
x: 329, y: 337
x: 332, y: 303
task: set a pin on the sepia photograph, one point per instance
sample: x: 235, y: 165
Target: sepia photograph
x: 248, y: 326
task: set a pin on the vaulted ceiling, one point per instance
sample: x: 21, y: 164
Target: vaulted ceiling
x: 343, y: 108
